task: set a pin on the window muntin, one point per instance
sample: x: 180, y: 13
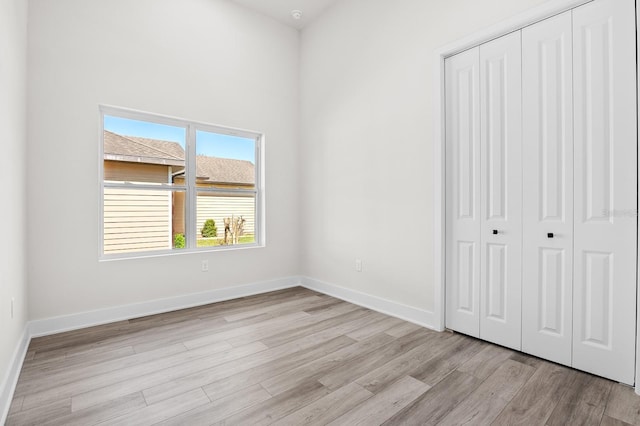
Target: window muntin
x: 164, y: 178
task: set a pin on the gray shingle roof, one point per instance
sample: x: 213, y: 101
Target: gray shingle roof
x: 151, y: 151
x: 171, y: 149
x: 223, y: 170
x: 140, y: 150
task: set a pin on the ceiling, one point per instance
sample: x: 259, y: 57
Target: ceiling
x: 281, y: 9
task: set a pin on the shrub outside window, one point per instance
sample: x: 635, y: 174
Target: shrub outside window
x: 172, y: 185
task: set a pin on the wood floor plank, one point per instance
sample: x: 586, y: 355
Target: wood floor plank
x: 317, y: 368
x: 330, y: 304
x: 610, y: 421
x: 283, y: 357
x: 114, y: 377
x: 250, y: 303
x: 296, y: 351
x: 538, y: 397
x: 78, y: 360
x: 196, y: 329
x: 134, y: 337
x: 58, y: 377
x: 374, y: 328
x: 220, y: 409
x: 37, y: 415
x: 327, y: 408
x: 42, y: 345
x: 275, y: 408
x: 403, y: 329
x: 179, y: 366
x: 527, y: 359
x: 230, y: 307
x: 345, y: 313
x: 263, y: 372
x: 306, y: 329
x: 437, y: 368
x: 485, y: 403
x: 485, y: 362
x: 583, y: 403
x: 96, y: 342
x: 16, y: 405
x: 340, y: 329
x: 100, y: 413
x: 358, y: 367
x: 384, y: 405
x: 59, y: 356
x: 623, y: 404
x: 404, y: 364
x: 434, y: 405
x: 228, y: 334
x: 297, y: 305
x: 156, y: 413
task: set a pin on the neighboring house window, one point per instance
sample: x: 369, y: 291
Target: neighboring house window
x: 174, y: 185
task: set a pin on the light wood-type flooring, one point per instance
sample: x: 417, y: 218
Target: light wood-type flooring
x: 296, y: 357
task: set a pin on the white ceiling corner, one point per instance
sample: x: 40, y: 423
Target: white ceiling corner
x: 281, y: 9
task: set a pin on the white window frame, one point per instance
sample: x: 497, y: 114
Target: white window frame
x: 190, y: 189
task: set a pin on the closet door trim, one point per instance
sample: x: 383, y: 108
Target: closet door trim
x: 637, y: 387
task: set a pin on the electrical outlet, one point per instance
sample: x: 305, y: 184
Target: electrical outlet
x: 205, y: 265
x: 13, y: 302
x: 358, y: 265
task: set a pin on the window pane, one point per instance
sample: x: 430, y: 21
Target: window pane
x: 143, y: 152
x: 233, y: 219
x: 137, y: 220
x: 224, y: 161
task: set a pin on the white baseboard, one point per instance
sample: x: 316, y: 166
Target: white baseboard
x: 10, y: 380
x: 61, y: 324
x: 417, y: 316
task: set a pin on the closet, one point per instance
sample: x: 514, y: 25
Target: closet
x: 541, y: 189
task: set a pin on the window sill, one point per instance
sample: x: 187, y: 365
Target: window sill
x: 176, y: 252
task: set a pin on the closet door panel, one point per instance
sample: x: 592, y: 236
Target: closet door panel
x: 548, y: 188
x: 463, y: 192
x: 605, y: 189
x: 501, y: 191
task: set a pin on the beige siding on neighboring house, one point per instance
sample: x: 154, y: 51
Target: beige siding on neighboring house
x: 122, y: 171
x: 179, y: 204
x: 136, y: 220
x: 217, y: 208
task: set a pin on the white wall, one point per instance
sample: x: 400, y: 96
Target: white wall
x: 205, y: 60
x: 13, y: 139
x: 367, y: 139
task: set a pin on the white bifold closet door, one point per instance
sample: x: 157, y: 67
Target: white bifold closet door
x: 501, y: 191
x: 484, y: 191
x: 605, y: 187
x: 548, y: 184
x: 463, y: 192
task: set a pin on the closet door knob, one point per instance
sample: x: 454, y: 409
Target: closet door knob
x: 495, y: 232
x: 550, y: 235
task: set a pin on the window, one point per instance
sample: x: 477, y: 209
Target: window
x: 172, y: 185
